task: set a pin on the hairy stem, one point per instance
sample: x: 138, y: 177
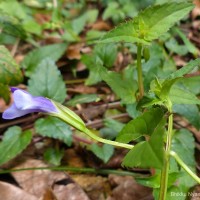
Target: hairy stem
x: 165, y: 170
x: 105, y: 141
x: 139, y: 71
x: 184, y: 166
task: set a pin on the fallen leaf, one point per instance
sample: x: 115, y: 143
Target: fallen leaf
x: 74, y: 51
x: 10, y: 192
x: 101, y: 25
x: 127, y: 188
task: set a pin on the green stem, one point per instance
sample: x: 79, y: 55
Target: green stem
x: 77, y: 170
x: 184, y: 166
x: 139, y: 71
x: 165, y: 170
x: 99, y: 139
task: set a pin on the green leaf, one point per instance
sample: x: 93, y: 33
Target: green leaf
x: 54, y: 128
x: 143, y: 125
x: 104, y: 153
x: 190, y: 84
x: 53, y: 156
x: 190, y: 47
x: 47, y: 81
x: 154, y: 181
x: 150, y: 24
x: 150, y: 153
x: 13, y: 8
x: 106, y: 54
x: 186, y: 69
x: 5, y: 92
x: 111, y: 129
x: 11, y: 25
x: 183, y: 144
x: 10, y: 73
x: 190, y: 112
x: 166, y: 88
x: 83, y: 98
x: 13, y: 143
x: 34, y: 58
x: 181, y: 96
x: 122, y: 84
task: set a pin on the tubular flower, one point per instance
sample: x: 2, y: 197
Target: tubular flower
x: 24, y: 103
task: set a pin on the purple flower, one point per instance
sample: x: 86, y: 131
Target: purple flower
x: 24, y: 103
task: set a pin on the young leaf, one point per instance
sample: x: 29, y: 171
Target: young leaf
x: 13, y: 143
x: 166, y: 87
x: 143, y: 125
x: 122, y: 84
x: 54, y: 128
x: 47, y: 81
x: 150, y: 24
x: 149, y: 153
x: 10, y: 73
x: 104, y: 153
x: 186, y: 69
x: 34, y: 58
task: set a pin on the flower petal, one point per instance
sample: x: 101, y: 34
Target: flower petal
x: 13, y: 112
x: 25, y: 101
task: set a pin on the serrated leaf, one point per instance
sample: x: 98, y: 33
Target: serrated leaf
x: 34, y: 58
x: 54, y: 128
x: 150, y: 153
x: 13, y: 143
x: 83, y: 98
x: 10, y: 73
x: 143, y: 125
x: 5, y: 92
x: 104, y: 153
x: 186, y: 69
x: 180, y: 96
x: 47, y: 81
x: 150, y: 24
x: 122, y: 84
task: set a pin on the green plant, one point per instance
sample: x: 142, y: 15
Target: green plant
x: 156, y: 93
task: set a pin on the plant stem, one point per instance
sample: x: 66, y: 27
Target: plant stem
x: 165, y: 170
x: 105, y: 141
x: 184, y: 166
x: 78, y: 170
x: 139, y: 71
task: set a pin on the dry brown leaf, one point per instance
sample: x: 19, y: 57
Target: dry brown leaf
x: 11, y: 192
x: 36, y: 181
x: 69, y: 192
x: 49, y: 195
x: 101, y: 25
x: 127, y: 188
x: 82, y: 89
x: 74, y: 51
x: 42, y: 18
